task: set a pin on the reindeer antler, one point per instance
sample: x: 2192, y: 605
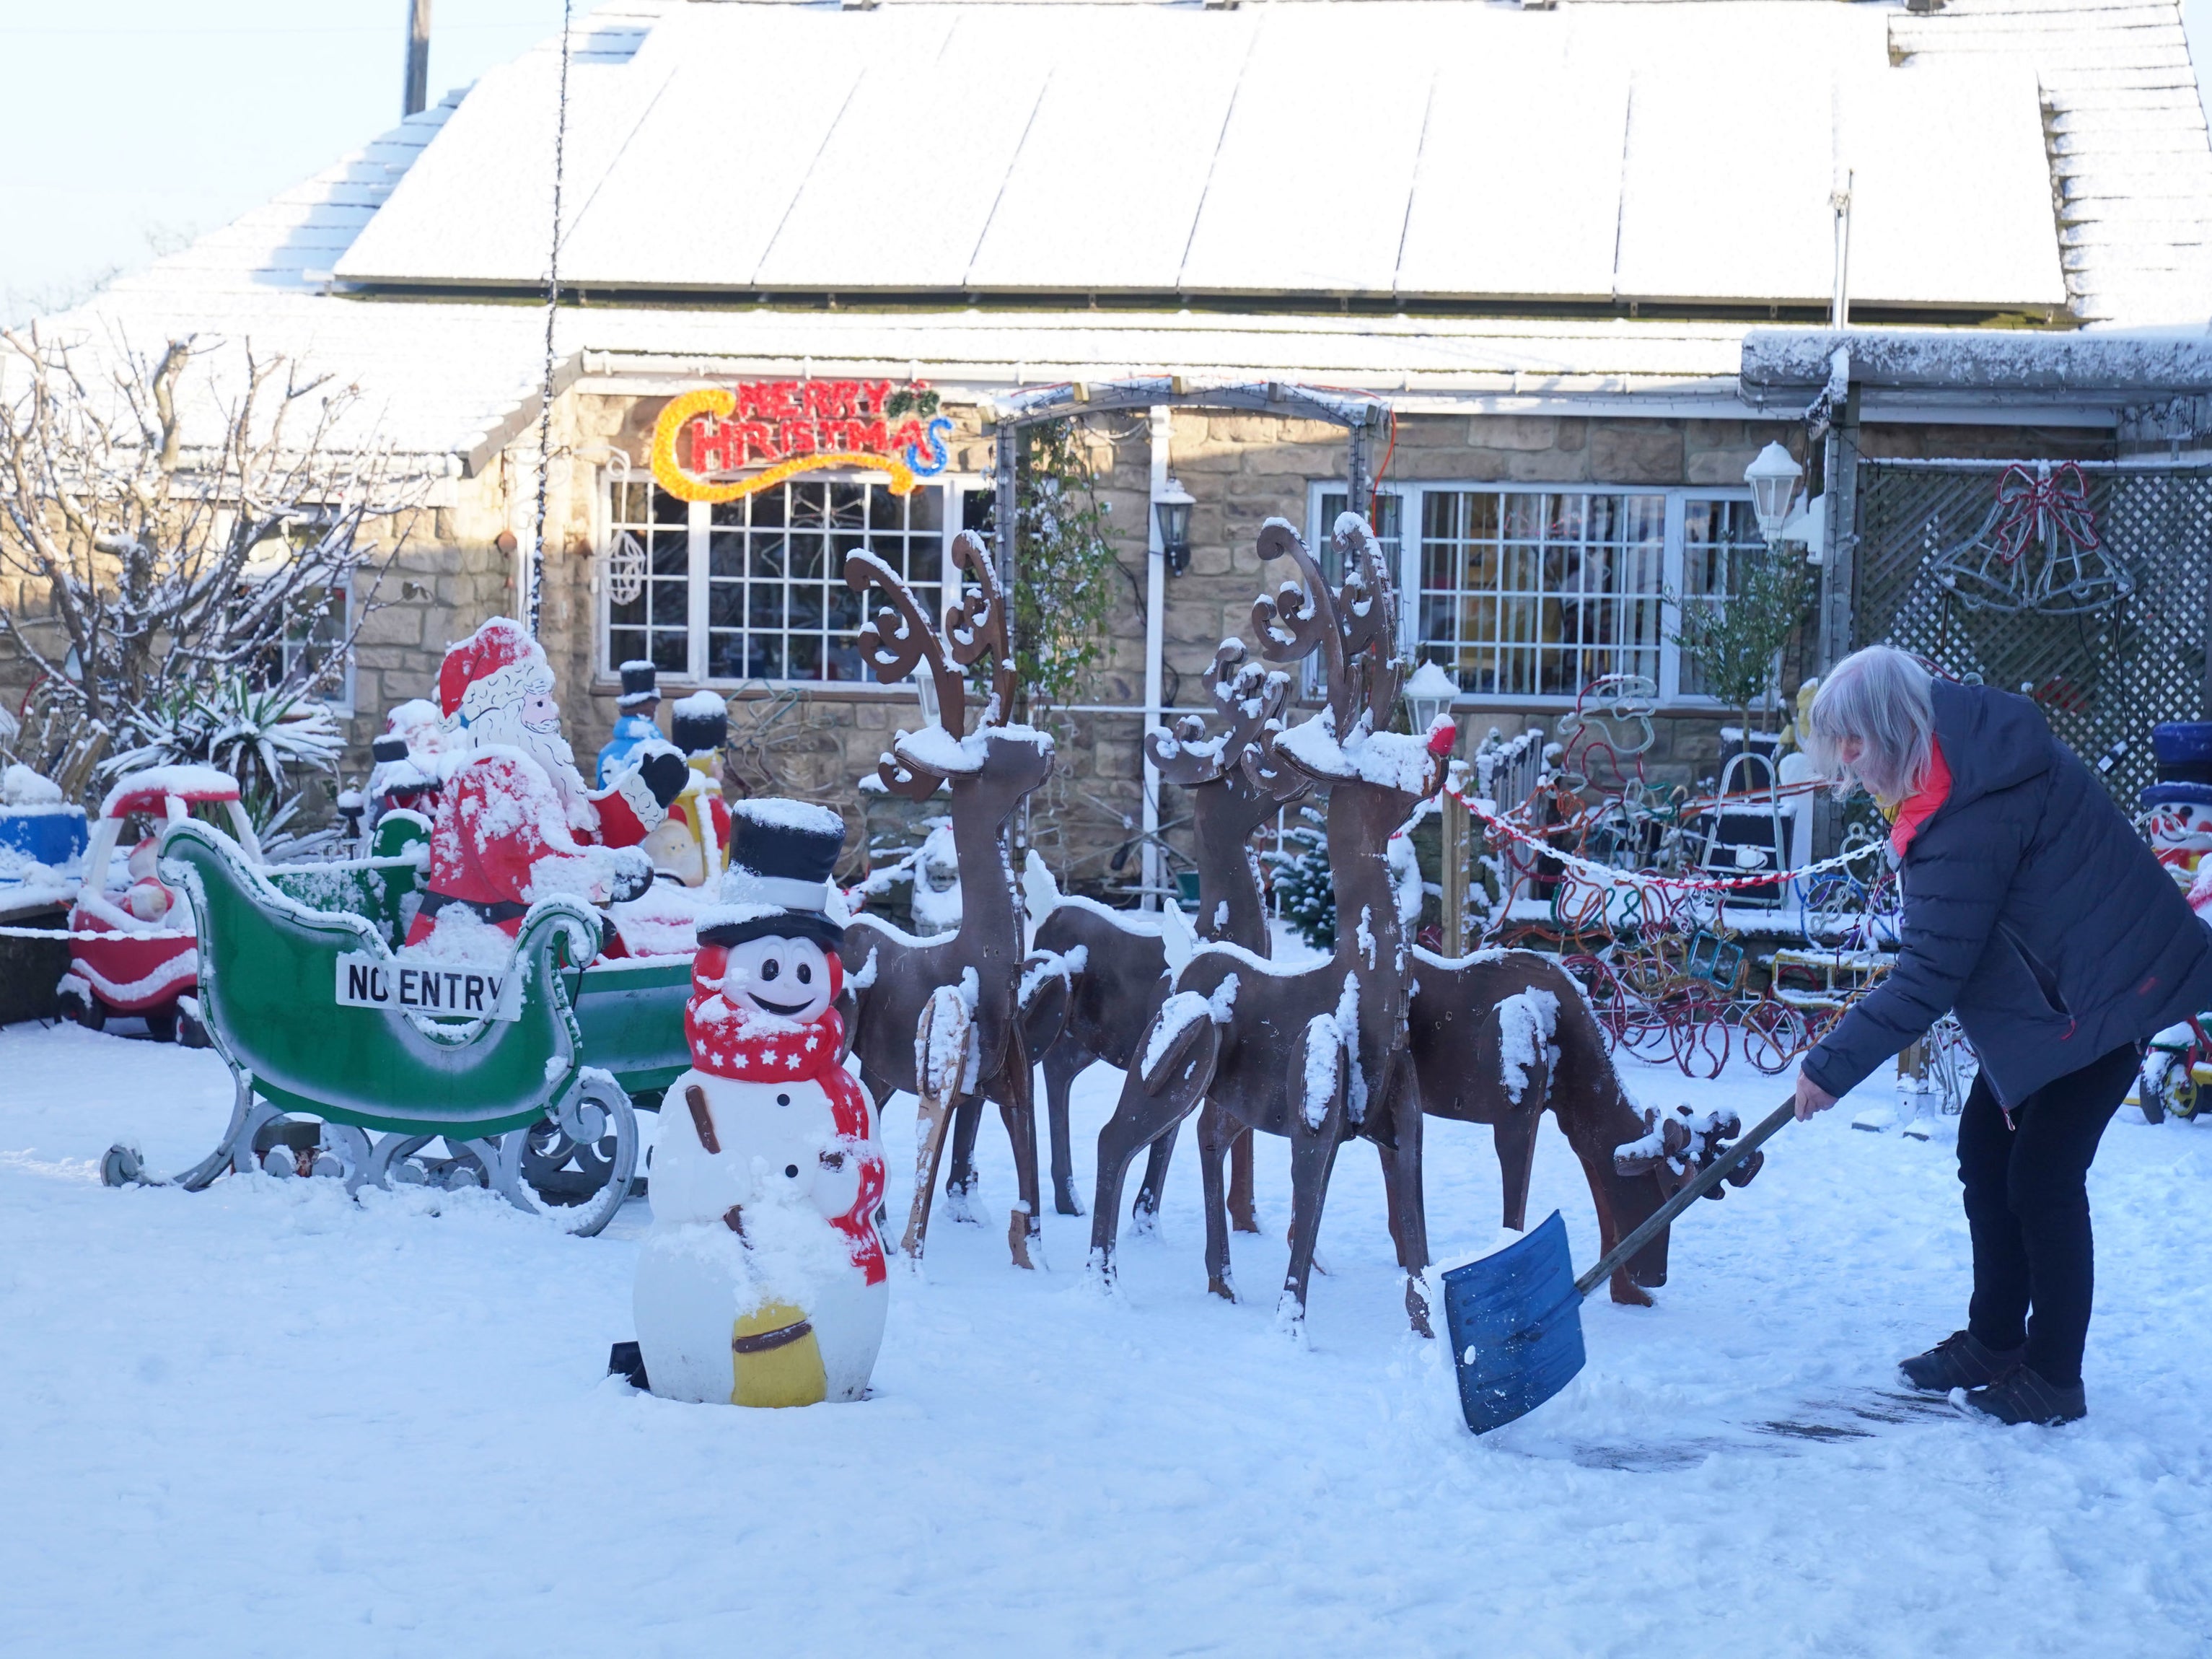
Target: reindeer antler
x: 1354, y: 626
x: 977, y: 623
x: 893, y: 642
x: 1300, y: 616
x: 1369, y: 604
x: 1247, y: 696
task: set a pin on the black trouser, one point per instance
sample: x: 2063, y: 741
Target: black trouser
x: 2027, y: 1207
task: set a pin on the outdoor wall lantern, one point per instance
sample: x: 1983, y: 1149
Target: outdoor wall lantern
x: 1171, y: 511
x: 1773, y: 478
x: 1429, y: 692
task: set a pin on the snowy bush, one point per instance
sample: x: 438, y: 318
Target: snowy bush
x: 273, y: 743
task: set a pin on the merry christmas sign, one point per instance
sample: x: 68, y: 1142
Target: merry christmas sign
x: 705, y: 441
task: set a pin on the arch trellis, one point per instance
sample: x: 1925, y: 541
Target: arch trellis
x: 1361, y: 415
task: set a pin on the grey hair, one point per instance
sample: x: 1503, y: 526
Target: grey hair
x: 1879, y: 695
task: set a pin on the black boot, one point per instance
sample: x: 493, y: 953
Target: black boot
x: 1959, y: 1361
x: 2021, y: 1395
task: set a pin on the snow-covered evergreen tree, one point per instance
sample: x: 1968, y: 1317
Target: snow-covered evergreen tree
x: 1303, y: 892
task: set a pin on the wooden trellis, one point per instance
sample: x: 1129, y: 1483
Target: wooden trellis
x: 2086, y: 584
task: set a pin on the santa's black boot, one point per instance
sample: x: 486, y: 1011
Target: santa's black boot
x: 1961, y: 1360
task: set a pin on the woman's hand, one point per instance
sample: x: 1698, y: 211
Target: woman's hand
x: 1811, y: 1097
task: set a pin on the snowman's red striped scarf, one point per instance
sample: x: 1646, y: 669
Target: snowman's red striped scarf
x: 753, y: 1047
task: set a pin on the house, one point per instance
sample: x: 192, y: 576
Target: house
x: 1583, y: 259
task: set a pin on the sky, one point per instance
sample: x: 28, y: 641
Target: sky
x: 128, y: 125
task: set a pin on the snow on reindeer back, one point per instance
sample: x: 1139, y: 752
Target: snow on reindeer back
x: 1391, y: 759
x: 933, y: 748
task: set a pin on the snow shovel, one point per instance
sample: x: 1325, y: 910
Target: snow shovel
x: 1516, y: 1318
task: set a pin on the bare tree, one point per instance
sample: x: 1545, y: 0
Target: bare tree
x: 148, y: 559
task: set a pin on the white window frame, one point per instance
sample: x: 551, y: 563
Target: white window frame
x: 698, y: 526
x: 1671, y: 695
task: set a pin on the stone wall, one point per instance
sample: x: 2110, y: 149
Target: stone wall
x: 1243, y: 469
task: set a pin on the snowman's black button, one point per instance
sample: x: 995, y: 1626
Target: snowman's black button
x: 783, y: 1099
x: 791, y: 1170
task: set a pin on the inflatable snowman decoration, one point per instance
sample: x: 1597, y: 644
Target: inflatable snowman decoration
x: 2179, y: 807
x: 763, y: 1281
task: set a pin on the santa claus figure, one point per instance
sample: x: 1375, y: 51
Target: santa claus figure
x: 407, y: 756
x: 515, y: 821
x: 2178, y: 806
x: 763, y: 1281
x: 148, y: 897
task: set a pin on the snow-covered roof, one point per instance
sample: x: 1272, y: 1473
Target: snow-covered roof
x: 1404, y: 148
x: 1493, y: 191
x: 2124, y: 128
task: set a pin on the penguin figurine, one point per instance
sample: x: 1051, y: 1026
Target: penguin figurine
x: 634, y: 722
x: 763, y: 1282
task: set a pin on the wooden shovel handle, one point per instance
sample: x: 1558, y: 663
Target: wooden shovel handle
x: 1703, y: 1183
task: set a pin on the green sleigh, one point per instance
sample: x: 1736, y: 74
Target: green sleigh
x: 540, y: 1107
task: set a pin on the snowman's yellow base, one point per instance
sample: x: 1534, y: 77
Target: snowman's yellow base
x: 775, y: 1360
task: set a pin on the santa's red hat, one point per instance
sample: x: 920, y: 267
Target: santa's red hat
x: 496, y: 665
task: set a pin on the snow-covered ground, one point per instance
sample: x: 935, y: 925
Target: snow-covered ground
x: 264, y: 1419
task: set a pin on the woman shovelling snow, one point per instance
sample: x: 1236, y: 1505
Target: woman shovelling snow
x: 515, y: 821
x: 762, y: 1283
x: 2034, y: 911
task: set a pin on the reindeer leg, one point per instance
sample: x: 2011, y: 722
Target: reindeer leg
x: 1144, y: 1212
x: 1018, y: 1107
x: 960, y: 1181
x: 1408, y: 1210
x: 928, y: 1147
x: 1313, y: 1156
x: 1063, y: 1063
x: 1216, y: 1132
x: 1242, y: 1217
x: 943, y: 1041
x: 1140, y: 1118
x: 1515, y: 1137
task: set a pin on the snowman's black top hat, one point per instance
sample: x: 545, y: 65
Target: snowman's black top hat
x: 777, y: 886
x: 641, y: 685
x: 702, y: 724
x: 2184, y: 752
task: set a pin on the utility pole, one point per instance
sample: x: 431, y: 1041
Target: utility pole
x: 417, y: 93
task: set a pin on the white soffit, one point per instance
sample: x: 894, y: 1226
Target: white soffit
x: 1409, y: 147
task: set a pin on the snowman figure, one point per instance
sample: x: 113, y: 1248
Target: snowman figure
x: 763, y: 1281
x: 2178, y: 806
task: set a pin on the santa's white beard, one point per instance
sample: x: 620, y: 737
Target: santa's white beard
x: 549, y: 749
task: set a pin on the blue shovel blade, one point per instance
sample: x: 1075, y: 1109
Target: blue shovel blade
x: 1516, y: 1321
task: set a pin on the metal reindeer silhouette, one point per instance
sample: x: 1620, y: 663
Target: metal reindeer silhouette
x: 942, y: 1017
x: 1320, y: 1055
x: 1235, y: 786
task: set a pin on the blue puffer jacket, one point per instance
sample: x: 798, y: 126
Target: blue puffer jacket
x: 2032, y: 908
